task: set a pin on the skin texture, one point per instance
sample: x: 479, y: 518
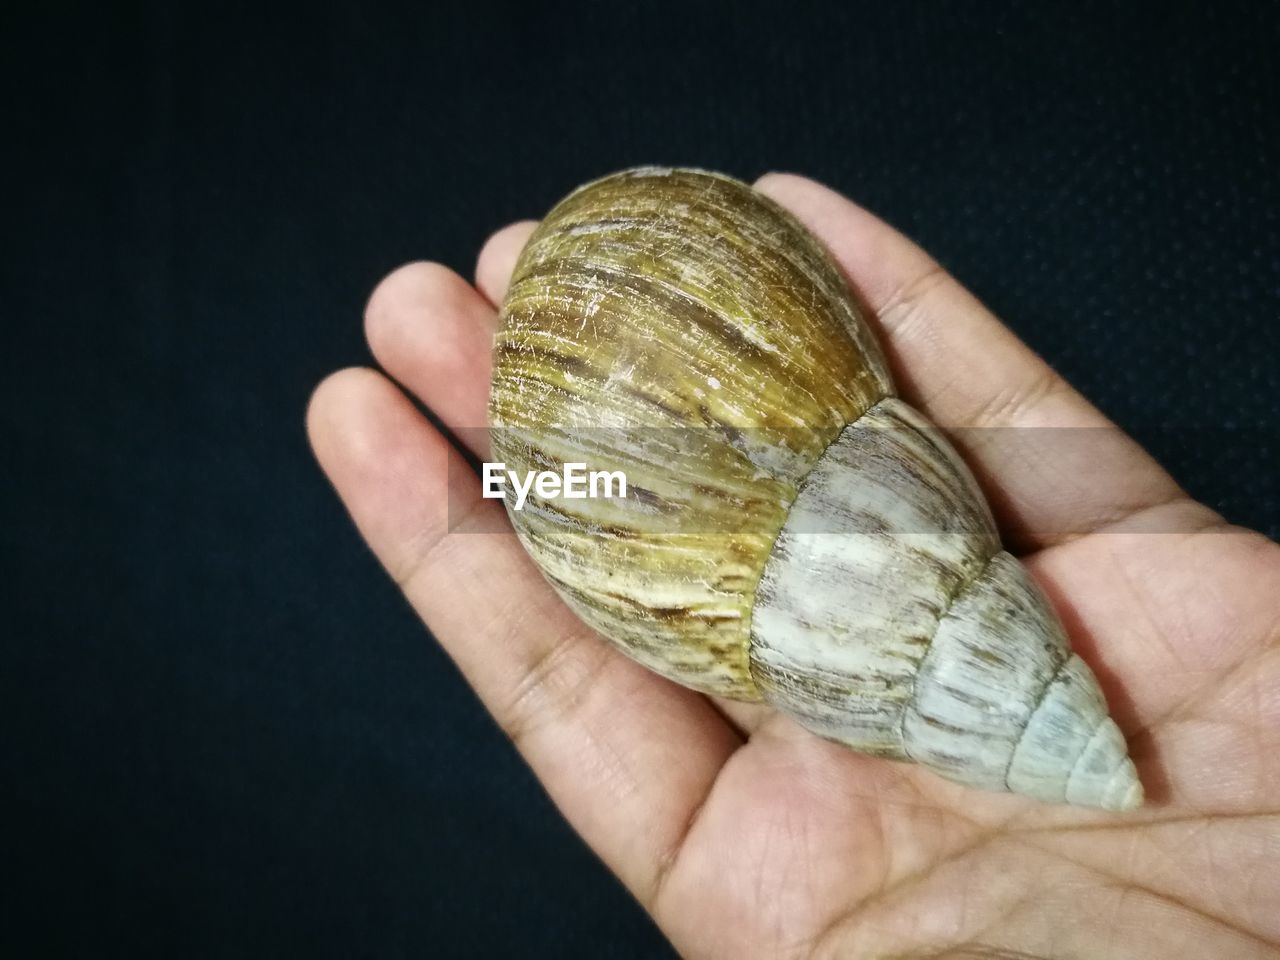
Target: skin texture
x: 744, y: 835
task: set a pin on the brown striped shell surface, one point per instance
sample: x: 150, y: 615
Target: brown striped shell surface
x: 791, y: 530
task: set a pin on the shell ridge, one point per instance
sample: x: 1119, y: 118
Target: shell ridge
x: 811, y: 477
x: 833, y: 599
x: 1040, y: 698
x: 722, y: 324
x: 912, y: 700
x: 1098, y: 729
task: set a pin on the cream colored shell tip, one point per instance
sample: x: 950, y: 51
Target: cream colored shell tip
x: 791, y: 532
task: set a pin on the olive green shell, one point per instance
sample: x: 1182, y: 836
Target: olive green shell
x: 683, y: 328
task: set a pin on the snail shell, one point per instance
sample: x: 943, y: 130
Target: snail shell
x: 792, y: 531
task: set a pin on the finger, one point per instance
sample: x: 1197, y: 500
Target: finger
x: 1053, y: 465
x: 627, y: 756
x: 433, y: 332
x: 498, y: 258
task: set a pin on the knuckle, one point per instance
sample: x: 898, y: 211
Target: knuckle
x: 555, y: 683
x: 1013, y: 404
x: 909, y: 305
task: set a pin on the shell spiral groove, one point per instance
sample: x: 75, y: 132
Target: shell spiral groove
x: 792, y: 532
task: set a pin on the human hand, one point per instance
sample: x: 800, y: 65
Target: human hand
x: 746, y: 836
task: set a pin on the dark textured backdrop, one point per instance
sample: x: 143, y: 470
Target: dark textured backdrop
x: 225, y: 733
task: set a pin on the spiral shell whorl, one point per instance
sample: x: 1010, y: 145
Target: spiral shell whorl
x: 792, y: 532
x: 890, y: 620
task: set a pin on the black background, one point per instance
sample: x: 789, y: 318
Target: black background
x: 226, y: 734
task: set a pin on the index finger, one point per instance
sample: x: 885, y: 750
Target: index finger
x: 1053, y: 466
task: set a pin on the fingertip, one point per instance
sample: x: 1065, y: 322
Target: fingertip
x: 835, y: 219
x: 801, y: 195
x: 402, y: 284
x: 498, y: 258
x: 405, y: 294
x: 328, y: 398
x: 339, y: 412
x: 781, y: 180
x: 390, y: 468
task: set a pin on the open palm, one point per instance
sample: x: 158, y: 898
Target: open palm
x: 744, y: 835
